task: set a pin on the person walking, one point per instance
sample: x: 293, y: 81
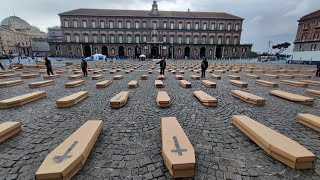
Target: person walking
x: 84, y: 66
x: 204, y: 66
x: 162, y: 65
x: 1, y: 66
x: 318, y: 70
x: 48, y: 64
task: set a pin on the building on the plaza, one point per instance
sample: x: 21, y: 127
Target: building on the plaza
x: 55, y: 40
x: 40, y: 46
x: 16, y: 35
x: 307, y: 42
x: 129, y: 33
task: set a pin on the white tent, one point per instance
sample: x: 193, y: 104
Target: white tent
x: 98, y: 57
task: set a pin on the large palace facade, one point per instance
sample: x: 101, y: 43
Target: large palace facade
x: 130, y: 33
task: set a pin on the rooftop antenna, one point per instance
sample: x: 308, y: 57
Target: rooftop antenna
x: 188, y: 10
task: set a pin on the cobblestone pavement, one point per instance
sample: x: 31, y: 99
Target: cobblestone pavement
x: 129, y: 146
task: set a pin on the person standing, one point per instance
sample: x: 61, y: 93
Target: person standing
x: 204, y: 66
x: 318, y: 70
x: 163, y: 65
x: 48, y: 64
x: 84, y: 66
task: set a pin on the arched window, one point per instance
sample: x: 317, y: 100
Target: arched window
x: 220, y: 40
x: 154, y: 25
x: 188, y: 40
x: 86, y: 38
x: 111, y: 38
x: 171, y: 39
x: 103, y: 38
x: 180, y: 25
x: 195, y: 40
x: 234, y: 50
x: 144, y: 38
x: 77, y: 38
x: 237, y: 27
x: 229, y: 27
x: 196, y: 27
x: 213, y: 26
x: 119, y: 24
x: 204, y: 26
x: 228, y: 40
x: 120, y: 38
x: 68, y: 38
x: 84, y: 24
x: 93, y: 24
x: 204, y: 39
x: 179, y: 39
x: 221, y: 26
x: 244, y: 50
x: 129, y: 38
x: 137, y: 25
x: 95, y: 38
x: 235, y: 40
x: 164, y: 39
x: 211, y: 39
x: 188, y: 25
x: 171, y: 25
x: 137, y: 39
x: 128, y: 24
x: 75, y: 23
x: 111, y: 25
x: 102, y: 24
x: 66, y: 23
x: 301, y: 48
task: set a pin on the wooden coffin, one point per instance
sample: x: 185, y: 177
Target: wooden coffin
x: 117, y: 77
x: 119, y: 100
x: 158, y: 84
x: 209, y: 84
x: 312, y: 92
x: 68, y: 158
x: 238, y: 83
x: 294, y: 83
x: 40, y: 83
x: 163, y: 99
x: 132, y: 84
x: 252, y: 76
x: 144, y: 77
x: 161, y: 77
x: 266, y: 83
x: 195, y: 77
x: 292, y: 97
x: 185, y: 84
x: 10, y: 83
x: 72, y: 99
x: 205, y: 98
x: 96, y: 77
x: 73, y: 77
x: 309, y: 120
x: 22, y: 99
x: 249, y: 98
x: 275, y: 144
x: 50, y: 77
x: 9, y: 129
x: 177, y: 151
x: 214, y: 76
x: 234, y: 77
x: 29, y: 76
x: 74, y: 84
x: 179, y: 77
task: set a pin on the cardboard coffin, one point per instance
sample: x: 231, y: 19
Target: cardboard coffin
x: 177, y: 151
x: 117, y: 77
x: 266, y: 83
x: 77, y: 72
x: 150, y: 72
x: 68, y: 158
x: 185, y: 84
x: 161, y: 77
x: 252, y: 76
x: 309, y: 120
x: 163, y: 99
x: 311, y: 83
x: 112, y: 71
x: 97, y: 72
x: 9, y: 129
x: 249, y: 98
x: 220, y: 71
x: 158, y: 84
x: 181, y: 72
x: 72, y: 99
x: 312, y: 92
x: 10, y: 83
x: 72, y: 77
x: 50, y: 77
x: 144, y: 77
x: 132, y: 84
x: 29, y: 76
x: 271, y: 76
x: 238, y: 83
x: 96, y: 77
x: 286, y: 76
x: 40, y: 83
x: 302, y: 76
x: 294, y: 83
x: 179, y: 77
x: 119, y: 100
x: 205, y: 98
x: 74, y: 84
x: 209, y: 84
x: 173, y: 72
x: 275, y: 144
x: 21, y: 100
x: 214, y: 76
x: 195, y: 77
x: 293, y: 97
x: 234, y: 77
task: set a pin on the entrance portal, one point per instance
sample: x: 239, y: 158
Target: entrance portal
x: 218, y: 52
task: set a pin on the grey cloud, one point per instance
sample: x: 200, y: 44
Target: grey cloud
x: 265, y: 20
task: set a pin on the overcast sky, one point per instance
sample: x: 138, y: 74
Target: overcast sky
x: 274, y: 20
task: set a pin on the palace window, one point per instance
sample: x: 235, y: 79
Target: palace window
x: 228, y: 40
x: 75, y: 23
x: 203, y: 39
x: 219, y: 40
x: 313, y: 47
x: 195, y: 40
x: 188, y: 40
x: 196, y: 26
x: 128, y: 25
x: 301, y: 48
x: 95, y: 38
x: 120, y: 38
x: 93, y: 23
x: 68, y: 37
x: 244, y: 50
x: 179, y: 39
x: 144, y: 38
x: 154, y: 25
x: 306, y: 26
x: 86, y: 38
x: 164, y: 39
x: 119, y: 24
x: 303, y: 38
x: 234, y: 50
x: 229, y: 27
x: 77, y: 38
x: 315, y: 36
x: 235, y: 40
x: 213, y: 26
x: 103, y: 39
x: 237, y: 27
x: 221, y: 26
x: 111, y: 24
x: 144, y: 24
x: 129, y: 39
x: 111, y: 38
x: 171, y: 39
x: 180, y: 26
x: 165, y: 25
x: 137, y: 25
x: 172, y: 25
x: 188, y: 25
x: 137, y: 39
x: 204, y: 26
x: 211, y: 39
x: 66, y: 23
x: 102, y: 24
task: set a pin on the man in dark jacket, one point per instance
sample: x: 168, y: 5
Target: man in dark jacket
x: 48, y: 64
x: 318, y: 70
x: 84, y: 66
x: 162, y: 65
x: 204, y: 66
